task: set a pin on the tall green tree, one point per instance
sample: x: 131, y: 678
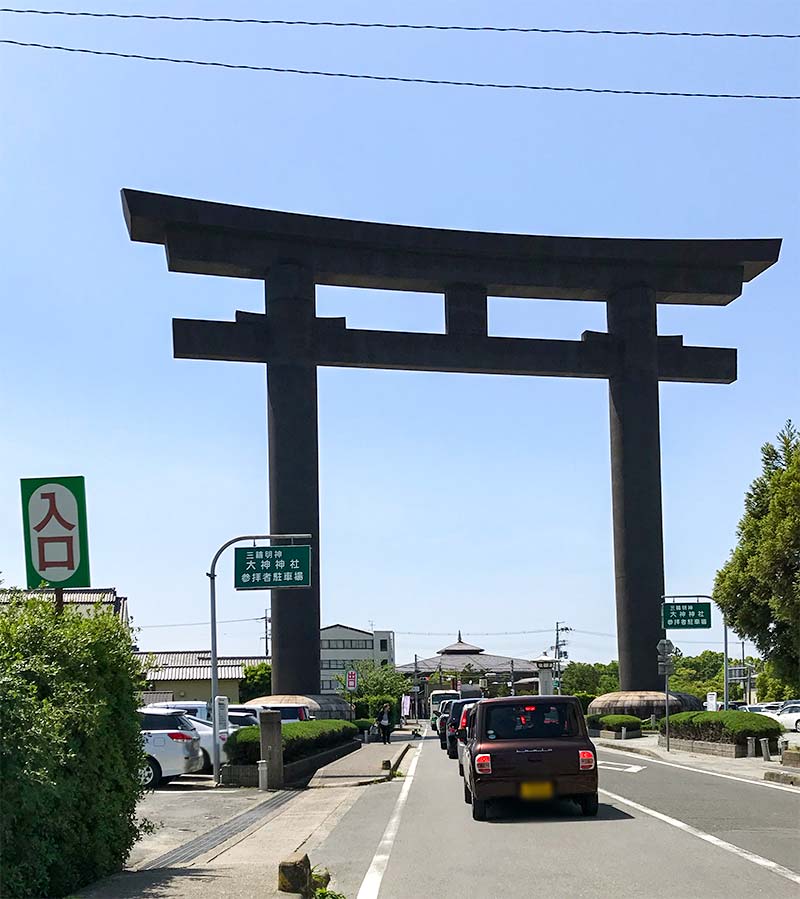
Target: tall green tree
x: 758, y: 588
x: 375, y: 680
x: 580, y: 677
x: 257, y: 682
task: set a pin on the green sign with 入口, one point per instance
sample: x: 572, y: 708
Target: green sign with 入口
x: 55, y: 534
x: 685, y: 615
x: 271, y: 567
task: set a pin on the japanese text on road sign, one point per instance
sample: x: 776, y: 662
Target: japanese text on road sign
x: 352, y: 680
x: 56, y: 540
x: 271, y: 567
x: 679, y: 615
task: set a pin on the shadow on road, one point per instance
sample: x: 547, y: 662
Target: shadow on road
x: 512, y: 811
x: 150, y: 884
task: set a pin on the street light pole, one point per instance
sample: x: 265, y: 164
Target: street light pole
x: 212, y: 576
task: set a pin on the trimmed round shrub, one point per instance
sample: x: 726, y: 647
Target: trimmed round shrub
x: 362, y: 724
x: 617, y: 722
x: 593, y: 722
x: 300, y: 739
x: 721, y: 727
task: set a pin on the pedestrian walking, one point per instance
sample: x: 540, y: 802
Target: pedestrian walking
x: 384, y: 722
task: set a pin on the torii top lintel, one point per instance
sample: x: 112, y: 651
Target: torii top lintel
x: 237, y: 241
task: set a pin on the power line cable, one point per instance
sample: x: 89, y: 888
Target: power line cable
x: 197, y: 623
x: 398, y: 78
x: 498, y: 29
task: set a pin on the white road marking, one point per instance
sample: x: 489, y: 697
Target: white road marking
x: 619, y: 766
x: 780, y: 870
x: 370, y: 886
x: 744, y: 780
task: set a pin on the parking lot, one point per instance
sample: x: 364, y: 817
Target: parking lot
x: 187, y: 808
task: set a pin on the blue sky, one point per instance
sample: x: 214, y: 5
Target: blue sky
x: 447, y: 500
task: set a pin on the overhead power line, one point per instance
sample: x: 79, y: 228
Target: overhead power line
x: 145, y: 627
x: 500, y: 29
x: 398, y: 78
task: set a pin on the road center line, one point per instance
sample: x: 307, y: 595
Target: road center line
x: 780, y: 870
x: 370, y: 886
x: 744, y: 780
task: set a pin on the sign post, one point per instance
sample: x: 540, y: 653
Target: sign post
x: 666, y: 666
x: 700, y: 606
x: 212, y: 578
x: 55, y: 534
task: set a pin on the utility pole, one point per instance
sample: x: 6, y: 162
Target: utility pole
x: 561, y: 628
x: 513, y: 691
x: 416, y: 689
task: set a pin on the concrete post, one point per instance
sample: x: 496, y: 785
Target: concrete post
x: 751, y: 747
x: 636, y: 485
x: 294, y: 475
x: 271, y: 748
x: 765, y: 749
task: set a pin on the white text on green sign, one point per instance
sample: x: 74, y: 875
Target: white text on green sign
x: 272, y: 567
x: 680, y: 615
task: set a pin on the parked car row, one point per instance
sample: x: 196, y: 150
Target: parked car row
x: 178, y: 736
x: 532, y: 748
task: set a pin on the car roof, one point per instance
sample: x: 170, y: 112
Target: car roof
x: 150, y: 710
x: 512, y: 700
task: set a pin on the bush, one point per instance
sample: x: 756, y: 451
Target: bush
x: 70, y: 747
x: 593, y: 722
x: 376, y: 703
x: 584, y: 699
x: 363, y: 723
x: 617, y: 722
x: 300, y: 739
x: 721, y: 727
x: 361, y: 708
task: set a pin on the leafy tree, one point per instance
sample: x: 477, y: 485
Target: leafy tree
x: 375, y: 680
x: 580, y: 677
x: 759, y: 586
x: 257, y: 681
x: 770, y: 688
x: 609, y: 678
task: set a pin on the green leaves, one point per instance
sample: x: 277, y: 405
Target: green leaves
x: 300, y: 739
x: 376, y: 680
x: 70, y: 747
x: 257, y: 682
x: 759, y: 587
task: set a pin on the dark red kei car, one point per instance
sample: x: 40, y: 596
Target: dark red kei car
x: 529, y: 747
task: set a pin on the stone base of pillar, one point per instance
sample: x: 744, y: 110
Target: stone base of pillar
x: 643, y: 703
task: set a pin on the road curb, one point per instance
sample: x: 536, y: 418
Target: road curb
x: 622, y: 746
x: 783, y: 777
x: 396, y: 759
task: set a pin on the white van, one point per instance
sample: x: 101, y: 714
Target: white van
x: 195, y: 707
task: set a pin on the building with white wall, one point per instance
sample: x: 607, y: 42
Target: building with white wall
x: 341, y: 646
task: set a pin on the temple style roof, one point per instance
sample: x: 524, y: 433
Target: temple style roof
x: 459, y: 647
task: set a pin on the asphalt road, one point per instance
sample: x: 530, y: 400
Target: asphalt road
x: 415, y: 837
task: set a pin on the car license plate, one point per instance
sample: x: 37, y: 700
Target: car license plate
x: 538, y: 789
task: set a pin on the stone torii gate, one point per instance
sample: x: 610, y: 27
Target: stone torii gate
x: 293, y: 253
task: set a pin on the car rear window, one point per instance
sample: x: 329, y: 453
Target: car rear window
x: 165, y: 722
x: 290, y: 713
x: 531, y: 721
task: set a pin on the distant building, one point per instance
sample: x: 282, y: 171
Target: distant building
x: 187, y: 675
x: 84, y: 601
x: 341, y: 646
x: 479, y: 665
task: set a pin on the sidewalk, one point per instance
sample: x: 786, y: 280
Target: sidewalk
x: 749, y: 769
x: 367, y: 765
x: 246, y: 865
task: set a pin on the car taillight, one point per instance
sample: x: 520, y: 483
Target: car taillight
x: 483, y: 763
x: 451, y: 728
x: 179, y: 735
x: 462, y: 724
x: 586, y: 757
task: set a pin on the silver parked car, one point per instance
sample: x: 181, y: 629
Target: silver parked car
x: 172, y: 745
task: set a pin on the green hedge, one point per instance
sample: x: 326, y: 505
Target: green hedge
x: 617, y: 722
x: 363, y: 723
x: 585, y: 699
x: 300, y: 739
x: 721, y: 727
x: 376, y: 703
x: 70, y: 748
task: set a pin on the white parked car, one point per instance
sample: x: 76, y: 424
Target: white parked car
x: 172, y: 745
x: 289, y: 713
x: 196, y: 707
x: 206, y: 733
x: 789, y: 716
